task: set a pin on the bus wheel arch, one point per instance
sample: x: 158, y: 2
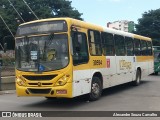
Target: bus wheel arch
x: 96, y: 87
x: 99, y: 75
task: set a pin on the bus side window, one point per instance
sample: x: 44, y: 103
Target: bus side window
x: 149, y: 44
x: 94, y: 42
x: 119, y: 45
x: 108, y: 44
x: 137, y: 48
x: 144, y: 47
x: 80, y: 48
x: 129, y: 46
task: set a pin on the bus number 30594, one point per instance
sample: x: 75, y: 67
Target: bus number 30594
x: 97, y: 62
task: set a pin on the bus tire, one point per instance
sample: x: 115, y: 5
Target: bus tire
x: 96, y: 89
x: 137, y: 81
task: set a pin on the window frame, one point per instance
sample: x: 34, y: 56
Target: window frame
x: 95, y: 43
x: 127, y: 39
x: 134, y: 41
x: 144, y: 52
x: 118, y: 45
x: 105, y: 44
x: 83, y: 35
x: 149, y: 51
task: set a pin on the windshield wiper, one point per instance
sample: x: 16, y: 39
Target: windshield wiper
x: 46, y: 44
x: 26, y: 46
x: 51, y: 37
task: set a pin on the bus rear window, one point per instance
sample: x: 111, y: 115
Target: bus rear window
x: 42, y: 27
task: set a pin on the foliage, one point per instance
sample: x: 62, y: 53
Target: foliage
x: 149, y: 25
x: 42, y: 8
x: 8, y: 61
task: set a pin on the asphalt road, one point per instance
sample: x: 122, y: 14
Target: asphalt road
x: 145, y: 97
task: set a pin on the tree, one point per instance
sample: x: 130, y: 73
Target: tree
x: 149, y: 25
x: 42, y: 8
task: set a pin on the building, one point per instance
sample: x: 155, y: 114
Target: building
x: 124, y: 25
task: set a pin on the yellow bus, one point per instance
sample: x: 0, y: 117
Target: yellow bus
x: 65, y: 58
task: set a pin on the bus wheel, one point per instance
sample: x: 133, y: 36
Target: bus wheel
x: 96, y: 89
x: 138, y: 78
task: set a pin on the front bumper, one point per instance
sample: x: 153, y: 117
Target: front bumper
x: 58, y: 91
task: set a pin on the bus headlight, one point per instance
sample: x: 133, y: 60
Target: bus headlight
x: 62, y: 81
x: 20, y: 82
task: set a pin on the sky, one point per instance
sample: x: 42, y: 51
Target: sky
x: 101, y: 12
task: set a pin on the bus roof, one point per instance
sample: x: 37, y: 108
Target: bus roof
x: 83, y: 24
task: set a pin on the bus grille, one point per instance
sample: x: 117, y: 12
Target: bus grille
x: 40, y: 77
x: 42, y: 84
x: 39, y: 91
x: 45, y: 84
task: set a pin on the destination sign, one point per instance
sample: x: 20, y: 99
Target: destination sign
x: 42, y: 27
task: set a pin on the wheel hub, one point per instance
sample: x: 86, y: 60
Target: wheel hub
x: 95, y: 89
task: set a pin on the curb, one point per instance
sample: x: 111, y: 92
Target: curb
x: 7, y: 83
x: 7, y: 92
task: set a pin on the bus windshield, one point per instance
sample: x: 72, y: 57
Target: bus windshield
x: 42, y: 53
